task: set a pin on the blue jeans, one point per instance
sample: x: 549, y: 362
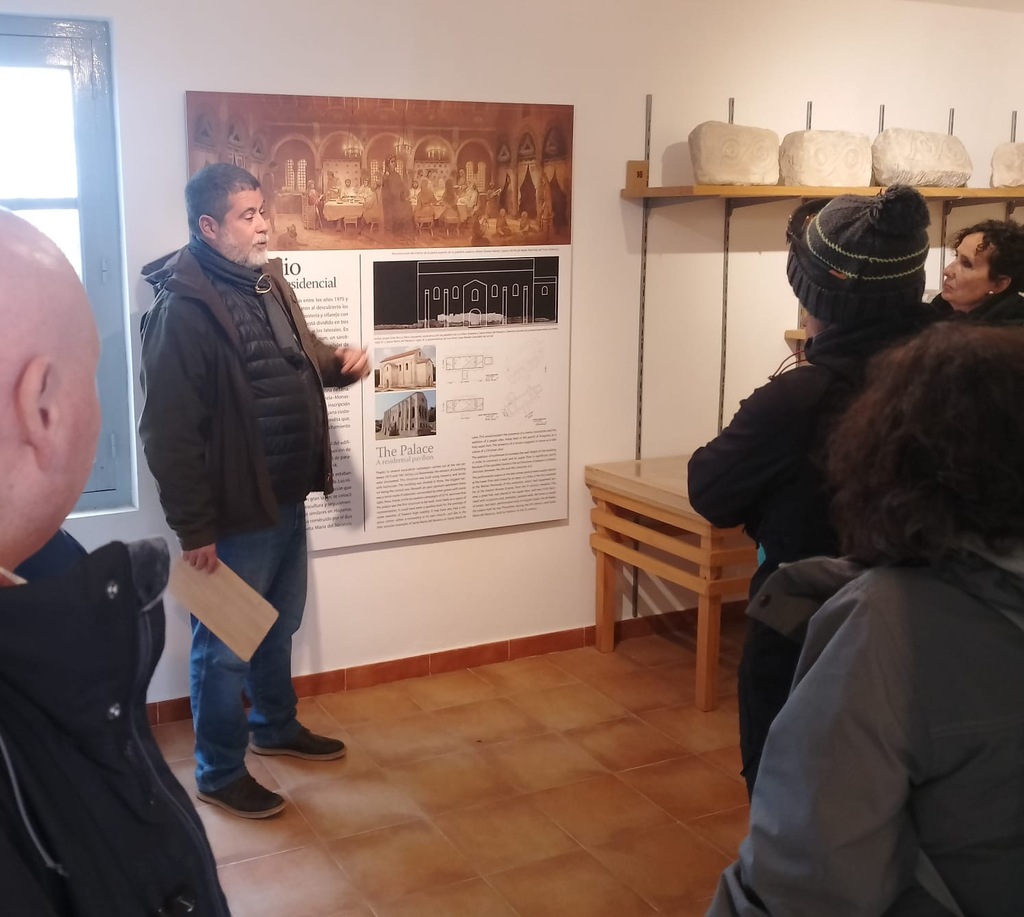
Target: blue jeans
x: 273, y: 562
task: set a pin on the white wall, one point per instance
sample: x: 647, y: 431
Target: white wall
x: 602, y: 57
x: 918, y: 58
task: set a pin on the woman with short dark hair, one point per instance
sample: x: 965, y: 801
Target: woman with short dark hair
x: 984, y: 280
x: 892, y: 782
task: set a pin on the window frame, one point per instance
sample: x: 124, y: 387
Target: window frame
x: 83, y: 47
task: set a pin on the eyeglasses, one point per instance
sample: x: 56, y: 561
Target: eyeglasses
x: 799, y: 218
x: 263, y: 284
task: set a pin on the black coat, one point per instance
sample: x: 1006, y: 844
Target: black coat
x: 1006, y: 308
x: 199, y: 427
x: 92, y: 822
x: 764, y: 470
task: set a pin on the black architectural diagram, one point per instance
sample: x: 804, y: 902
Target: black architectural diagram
x: 470, y: 293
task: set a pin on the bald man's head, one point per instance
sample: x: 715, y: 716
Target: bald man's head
x: 49, y: 412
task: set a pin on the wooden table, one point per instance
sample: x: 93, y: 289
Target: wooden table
x: 642, y: 517
x: 338, y: 210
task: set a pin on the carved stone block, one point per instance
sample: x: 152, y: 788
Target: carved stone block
x: 728, y: 154
x: 905, y: 157
x: 1008, y: 165
x: 828, y: 159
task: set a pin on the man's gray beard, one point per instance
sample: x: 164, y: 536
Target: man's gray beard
x: 249, y: 257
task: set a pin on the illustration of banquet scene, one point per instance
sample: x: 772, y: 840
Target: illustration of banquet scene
x: 350, y: 173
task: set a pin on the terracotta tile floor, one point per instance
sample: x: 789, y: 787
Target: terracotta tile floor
x: 566, y: 785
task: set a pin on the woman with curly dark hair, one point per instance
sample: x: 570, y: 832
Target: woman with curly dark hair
x: 984, y: 280
x: 892, y: 782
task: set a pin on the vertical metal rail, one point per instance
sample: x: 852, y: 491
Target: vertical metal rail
x: 725, y: 296
x: 947, y: 209
x: 643, y: 286
x: 725, y: 314
x: 635, y: 591
x: 1010, y: 205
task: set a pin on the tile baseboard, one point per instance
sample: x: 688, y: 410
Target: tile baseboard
x: 378, y: 673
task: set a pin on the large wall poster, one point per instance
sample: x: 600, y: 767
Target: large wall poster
x: 437, y: 235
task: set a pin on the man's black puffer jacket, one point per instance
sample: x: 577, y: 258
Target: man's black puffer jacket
x: 286, y: 394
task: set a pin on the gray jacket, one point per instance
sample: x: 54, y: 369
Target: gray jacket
x: 904, y: 733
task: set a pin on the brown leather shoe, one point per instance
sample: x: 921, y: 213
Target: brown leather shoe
x: 245, y: 798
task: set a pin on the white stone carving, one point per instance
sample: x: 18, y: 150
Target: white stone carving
x: 728, y: 154
x: 906, y: 157
x: 827, y: 159
x: 1008, y: 165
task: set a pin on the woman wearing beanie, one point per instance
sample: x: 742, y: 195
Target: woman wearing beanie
x: 856, y: 265
x: 984, y: 281
x: 892, y: 781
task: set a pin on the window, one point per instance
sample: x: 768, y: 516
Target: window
x: 60, y: 172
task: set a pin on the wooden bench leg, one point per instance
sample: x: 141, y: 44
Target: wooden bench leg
x: 709, y: 631
x: 604, y: 638
x: 606, y: 595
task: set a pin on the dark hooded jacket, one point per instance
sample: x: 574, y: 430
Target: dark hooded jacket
x: 200, y: 424
x: 92, y: 822
x: 764, y: 470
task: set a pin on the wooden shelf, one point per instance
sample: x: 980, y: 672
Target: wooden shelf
x: 637, y: 188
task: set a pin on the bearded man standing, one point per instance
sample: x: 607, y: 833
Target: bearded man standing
x: 234, y: 428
